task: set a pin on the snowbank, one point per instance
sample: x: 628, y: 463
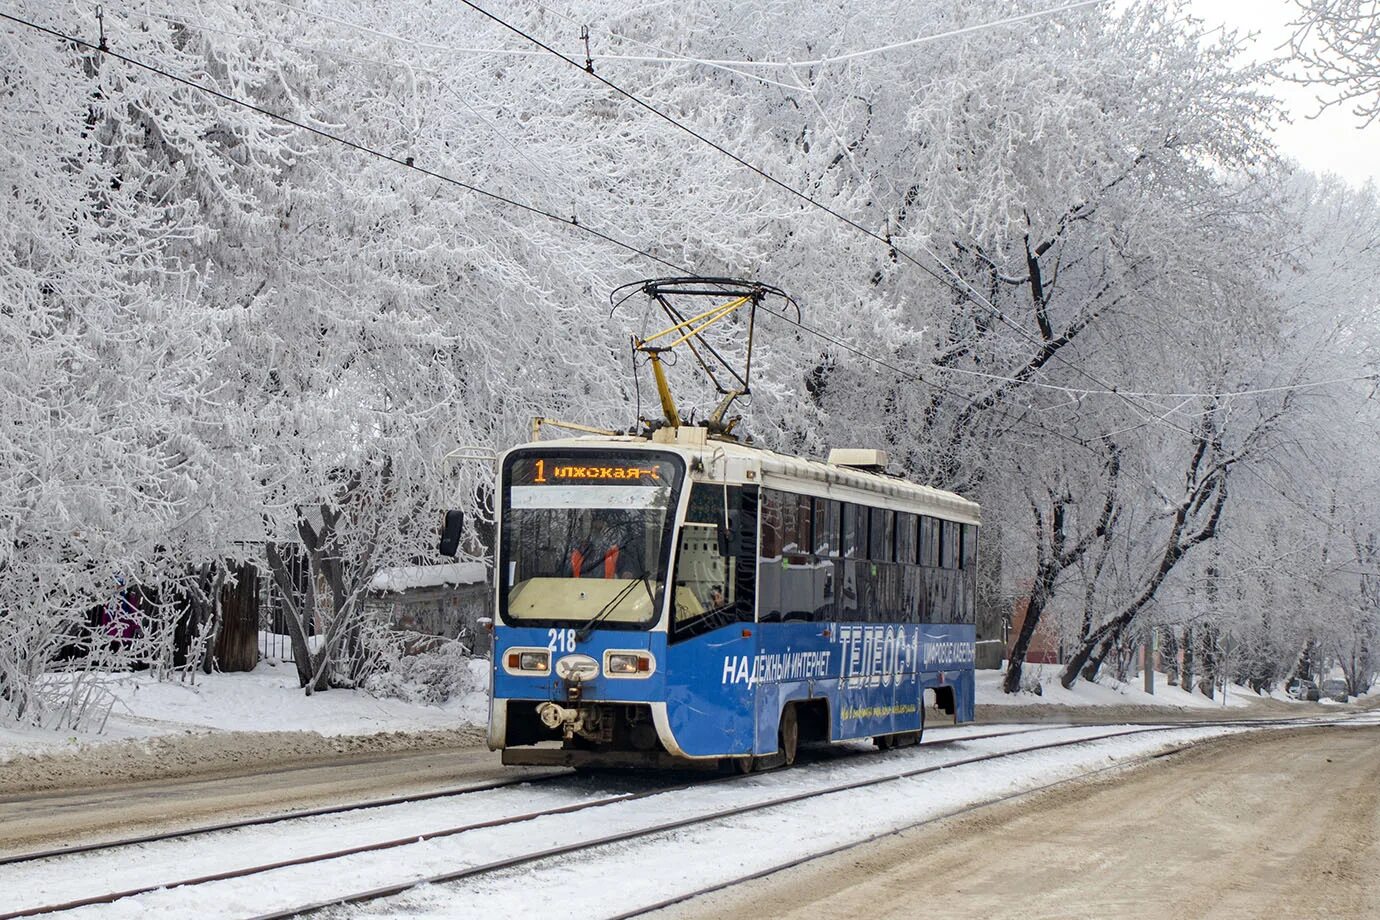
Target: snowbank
x: 1107, y: 692
x: 266, y: 699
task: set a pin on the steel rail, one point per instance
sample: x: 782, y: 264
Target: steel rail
x: 325, y: 811
x: 649, y: 831
x: 378, y: 846
x: 1299, y: 721
x: 390, y: 890
x: 934, y: 819
x: 276, y: 818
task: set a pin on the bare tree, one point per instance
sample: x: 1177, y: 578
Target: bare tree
x: 1058, y: 550
x: 1193, y: 519
x: 1336, y: 45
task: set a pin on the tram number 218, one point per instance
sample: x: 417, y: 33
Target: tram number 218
x: 560, y: 641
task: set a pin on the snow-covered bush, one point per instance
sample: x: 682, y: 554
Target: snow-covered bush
x: 437, y: 675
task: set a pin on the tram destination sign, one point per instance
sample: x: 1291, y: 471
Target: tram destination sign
x: 571, y: 470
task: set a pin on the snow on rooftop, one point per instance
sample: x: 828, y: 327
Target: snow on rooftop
x: 404, y: 577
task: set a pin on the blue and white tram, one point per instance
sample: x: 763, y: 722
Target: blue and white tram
x: 682, y: 600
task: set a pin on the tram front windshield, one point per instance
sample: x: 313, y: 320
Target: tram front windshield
x: 586, y: 536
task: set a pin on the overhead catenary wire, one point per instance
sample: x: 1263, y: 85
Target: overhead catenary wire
x: 411, y: 165
x: 958, y: 284
x: 1075, y: 391
x: 574, y: 223
x: 405, y: 162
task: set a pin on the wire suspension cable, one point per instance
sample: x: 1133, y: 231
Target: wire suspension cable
x: 354, y: 145
x: 959, y: 285
x: 664, y: 56
x: 407, y: 163
x: 920, y: 40
x: 632, y: 248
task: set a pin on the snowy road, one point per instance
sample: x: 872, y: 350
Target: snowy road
x: 715, y: 848
x: 1271, y: 824
x: 35, y: 820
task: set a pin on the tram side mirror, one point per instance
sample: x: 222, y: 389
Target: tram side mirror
x: 451, y: 530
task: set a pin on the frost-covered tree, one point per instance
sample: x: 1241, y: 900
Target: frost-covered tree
x: 243, y: 339
x: 1336, y: 45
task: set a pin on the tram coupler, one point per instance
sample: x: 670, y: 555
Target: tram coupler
x: 554, y: 715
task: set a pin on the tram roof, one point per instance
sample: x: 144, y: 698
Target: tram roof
x: 779, y: 470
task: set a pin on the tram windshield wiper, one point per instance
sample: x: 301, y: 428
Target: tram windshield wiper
x: 607, y: 610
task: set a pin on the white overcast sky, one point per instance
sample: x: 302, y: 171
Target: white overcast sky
x: 1329, y: 143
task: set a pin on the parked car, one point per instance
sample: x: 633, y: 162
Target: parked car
x: 1335, y: 690
x: 1301, y: 689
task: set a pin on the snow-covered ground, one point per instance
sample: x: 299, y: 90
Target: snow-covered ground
x: 266, y: 699
x: 665, y: 864
x: 1107, y: 692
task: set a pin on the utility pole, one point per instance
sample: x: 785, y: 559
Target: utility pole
x: 1149, y: 648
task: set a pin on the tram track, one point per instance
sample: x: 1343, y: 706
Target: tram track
x: 260, y: 820
x: 468, y: 872
x: 327, y: 811
x: 471, y: 872
x: 759, y: 874
x: 110, y: 897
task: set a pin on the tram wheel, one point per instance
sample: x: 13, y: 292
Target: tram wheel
x: 884, y: 742
x: 745, y: 765
x: 788, y: 735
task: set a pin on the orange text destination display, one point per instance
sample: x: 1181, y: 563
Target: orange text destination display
x: 581, y: 471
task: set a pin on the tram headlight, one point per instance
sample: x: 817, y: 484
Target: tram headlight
x: 529, y: 661
x: 628, y: 664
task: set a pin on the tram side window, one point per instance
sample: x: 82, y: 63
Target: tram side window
x: 883, y: 535
x: 913, y: 594
x: 801, y: 589
x: 772, y: 524
x: 869, y: 576
x: 846, y: 589
x: 948, y: 544
x: 712, y: 588
x: 769, y: 555
x: 969, y: 573
x: 828, y: 537
x: 929, y: 541
x: 906, y: 534
x: 828, y: 546
x: 798, y: 517
x: 854, y: 531
x: 790, y: 579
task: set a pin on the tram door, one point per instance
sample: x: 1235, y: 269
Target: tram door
x: 713, y: 630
